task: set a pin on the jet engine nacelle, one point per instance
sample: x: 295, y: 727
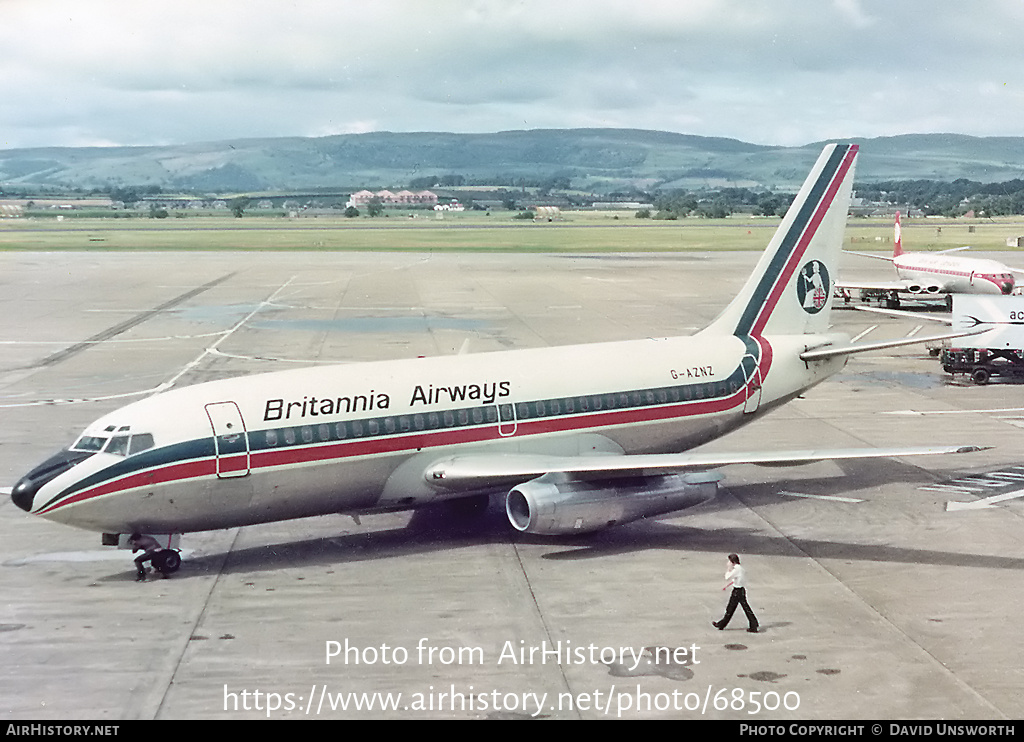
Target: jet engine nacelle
x: 556, y: 504
x: 922, y: 289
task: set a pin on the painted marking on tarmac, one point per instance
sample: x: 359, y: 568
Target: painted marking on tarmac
x: 269, y: 301
x: 831, y: 498
x: 213, y: 349
x: 112, y: 342
x: 984, y: 504
x: 952, y: 412
x: 858, y: 337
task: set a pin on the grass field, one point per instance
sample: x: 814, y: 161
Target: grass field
x: 577, y: 232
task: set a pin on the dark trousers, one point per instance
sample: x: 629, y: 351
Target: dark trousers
x: 738, y: 597
x: 140, y: 561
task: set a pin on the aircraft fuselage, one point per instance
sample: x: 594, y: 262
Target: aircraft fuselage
x: 357, y: 438
x: 941, y: 273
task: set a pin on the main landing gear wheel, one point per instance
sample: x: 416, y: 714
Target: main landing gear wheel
x: 167, y: 562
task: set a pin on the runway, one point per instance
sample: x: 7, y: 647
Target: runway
x: 876, y: 602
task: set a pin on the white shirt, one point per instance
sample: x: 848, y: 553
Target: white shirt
x: 737, y: 575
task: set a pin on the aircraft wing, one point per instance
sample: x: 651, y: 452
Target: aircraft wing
x: 874, y: 285
x: 474, y: 471
x: 869, y: 255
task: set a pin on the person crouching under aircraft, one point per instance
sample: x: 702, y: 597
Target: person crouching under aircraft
x: 150, y: 547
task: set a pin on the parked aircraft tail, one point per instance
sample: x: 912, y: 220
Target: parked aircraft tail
x: 789, y: 291
x: 897, y: 250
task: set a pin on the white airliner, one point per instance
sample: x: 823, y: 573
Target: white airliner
x: 579, y: 437
x: 930, y: 274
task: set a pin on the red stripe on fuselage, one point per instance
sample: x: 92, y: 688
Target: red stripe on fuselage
x: 313, y: 453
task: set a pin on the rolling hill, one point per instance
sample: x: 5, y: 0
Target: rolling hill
x: 600, y: 160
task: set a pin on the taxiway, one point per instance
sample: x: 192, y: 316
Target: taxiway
x: 875, y: 601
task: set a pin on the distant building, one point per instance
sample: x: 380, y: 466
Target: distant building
x: 621, y: 205
x: 362, y: 199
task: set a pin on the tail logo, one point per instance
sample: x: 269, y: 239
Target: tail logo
x: 812, y: 289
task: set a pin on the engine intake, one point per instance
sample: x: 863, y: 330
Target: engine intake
x: 556, y: 504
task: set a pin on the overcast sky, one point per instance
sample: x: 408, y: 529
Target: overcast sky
x: 108, y: 72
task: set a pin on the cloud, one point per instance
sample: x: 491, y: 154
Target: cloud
x: 785, y: 72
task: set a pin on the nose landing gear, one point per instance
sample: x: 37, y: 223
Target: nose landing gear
x: 167, y: 562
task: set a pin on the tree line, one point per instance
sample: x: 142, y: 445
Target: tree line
x: 937, y: 198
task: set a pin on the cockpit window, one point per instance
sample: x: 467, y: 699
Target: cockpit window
x: 118, y: 445
x: 140, y: 442
x: 89, y: 443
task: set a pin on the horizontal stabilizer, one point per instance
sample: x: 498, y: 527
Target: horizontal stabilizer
x: 471, y: 471
x: 831, y: 351
x: 905, y: 315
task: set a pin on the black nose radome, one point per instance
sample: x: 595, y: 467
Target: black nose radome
x: 25, y: 490
x: 23, y: 493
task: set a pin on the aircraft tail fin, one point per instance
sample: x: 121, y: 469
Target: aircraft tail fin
x: 897, y: 239
x: 789, y: 292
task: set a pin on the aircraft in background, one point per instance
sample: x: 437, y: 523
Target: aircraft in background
x: 932, y: 274
x: 579, y: 437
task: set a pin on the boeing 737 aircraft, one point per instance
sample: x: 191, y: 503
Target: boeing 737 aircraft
x: 579, y: 437
x: 930, y: 274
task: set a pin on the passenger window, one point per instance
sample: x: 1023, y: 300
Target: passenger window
x: 271, y: 437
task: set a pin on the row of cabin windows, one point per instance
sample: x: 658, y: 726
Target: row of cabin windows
x: 490, y: 414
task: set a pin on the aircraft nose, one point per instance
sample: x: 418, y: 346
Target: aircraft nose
x: 1007, y: 287
x: 25, y: 490
x: 23, y: 493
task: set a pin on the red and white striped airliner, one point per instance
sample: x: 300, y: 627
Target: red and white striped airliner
x: 937, y: 273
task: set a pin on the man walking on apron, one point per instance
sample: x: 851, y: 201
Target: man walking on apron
x: 736, y: 578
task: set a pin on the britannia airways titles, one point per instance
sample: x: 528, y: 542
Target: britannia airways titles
x: 316, y: 406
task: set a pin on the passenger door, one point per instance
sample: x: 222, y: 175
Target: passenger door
x: 230, y: 439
